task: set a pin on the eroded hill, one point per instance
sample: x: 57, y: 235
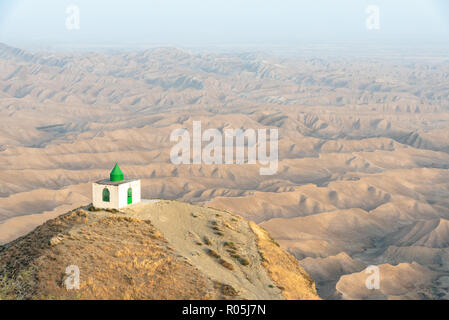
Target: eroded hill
x: 159, y: 250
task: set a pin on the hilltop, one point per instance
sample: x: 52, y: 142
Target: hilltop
x: 153, y: 250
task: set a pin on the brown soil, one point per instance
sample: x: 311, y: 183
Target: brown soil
x: 124, y: 257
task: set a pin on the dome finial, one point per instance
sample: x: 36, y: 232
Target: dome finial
x: 116, y: 174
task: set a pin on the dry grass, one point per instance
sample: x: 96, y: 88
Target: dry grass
x: 284, y: 269
x: 119, y: 258
x: 220, y: 260
x: 243, y: 261
x: 216, y: 228
x: 225, y: 264
x: 126, y: 257
x: 213, y: 253
x: 17, y: 287
x: 233, y: 252
x: 230, y: 245
x: 207, y: 241
x: 226, y: 290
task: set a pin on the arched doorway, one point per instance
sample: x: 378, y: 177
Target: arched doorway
x: 106, y: 195
x: 130, y: 196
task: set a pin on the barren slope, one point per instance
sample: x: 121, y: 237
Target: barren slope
x: 163, y: 250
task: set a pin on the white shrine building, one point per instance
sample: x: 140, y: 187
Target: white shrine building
x: 115, y: 192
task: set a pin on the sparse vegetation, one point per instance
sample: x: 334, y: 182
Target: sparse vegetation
x: 217, y: 230
x: 283, y: 269
x: 93, y: 209
x: 121, y: 253
x: 212, y: 253
x: 233, y: 251
x: 112, y: 210
x: 7, y: 289
x: 207, y: 241
x: 231, y: 245
x: 130, y: 252
x: 220, y: 260
x: 18, y: 287
x: 272, y: 240
x: 226, y: 264
x: 226, y: 289
x: 227, y: 225
x: 276, y: 243
x: 243, y: 261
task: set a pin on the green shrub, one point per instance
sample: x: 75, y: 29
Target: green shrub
x: 244, y: 261
x: 207, y: 241
x: 213, y: 253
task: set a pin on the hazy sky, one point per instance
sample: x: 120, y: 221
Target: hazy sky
x: 228, y: 22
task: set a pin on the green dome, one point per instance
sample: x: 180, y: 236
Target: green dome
x: 116, y: 174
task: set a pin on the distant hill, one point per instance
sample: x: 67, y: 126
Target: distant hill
x: 162, y: 250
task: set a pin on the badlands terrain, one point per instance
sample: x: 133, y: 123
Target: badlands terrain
x: 363, y: 173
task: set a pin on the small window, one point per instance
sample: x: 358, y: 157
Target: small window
x: 106, y: 195
x: 130, y: 196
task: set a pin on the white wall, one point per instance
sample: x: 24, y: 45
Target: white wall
x: 123, y: 193
x: 97, y: 196
x: 118, y: 195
